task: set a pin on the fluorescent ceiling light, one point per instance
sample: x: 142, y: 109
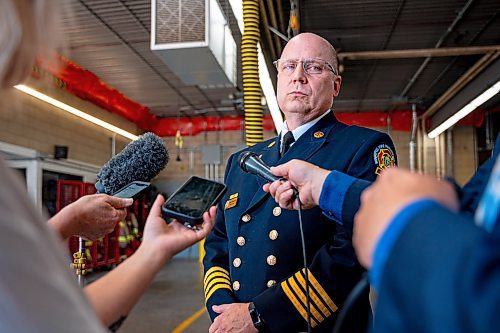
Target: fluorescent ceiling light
x: 264, y: 77
x: 474, y: 104
x: 74, y: 111
x: 268, y: 89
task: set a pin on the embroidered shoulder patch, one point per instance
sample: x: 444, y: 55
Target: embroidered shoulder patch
x: 383, y: 157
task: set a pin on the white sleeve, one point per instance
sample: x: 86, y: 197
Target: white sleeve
x: 38, y: 291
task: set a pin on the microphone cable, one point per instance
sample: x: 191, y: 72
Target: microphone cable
x: 306, y: 270
x: 353, y: 296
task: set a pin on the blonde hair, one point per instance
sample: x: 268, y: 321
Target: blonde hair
x: 28, y: 29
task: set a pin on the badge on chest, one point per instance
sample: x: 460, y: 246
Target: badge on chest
x: 232, y: 202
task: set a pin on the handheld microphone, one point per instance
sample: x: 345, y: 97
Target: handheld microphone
x: 140, y: 160
x: 250, y: 162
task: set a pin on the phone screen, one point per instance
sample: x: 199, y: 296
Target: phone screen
x: 195, y: 197
x: 131, y: 190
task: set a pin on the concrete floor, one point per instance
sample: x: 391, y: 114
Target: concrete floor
x: 175, y: 295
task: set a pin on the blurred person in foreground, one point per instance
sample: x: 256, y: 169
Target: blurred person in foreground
x: 432, y: 249
x: 39, y: 292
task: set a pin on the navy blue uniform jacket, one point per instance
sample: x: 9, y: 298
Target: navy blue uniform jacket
x: 254, y: 251
x: 443, y: 274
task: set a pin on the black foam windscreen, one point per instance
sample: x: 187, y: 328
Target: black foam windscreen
x: 141, y: 160
x: 251, y: 163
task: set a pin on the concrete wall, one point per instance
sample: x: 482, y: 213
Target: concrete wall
x: 28, y: 122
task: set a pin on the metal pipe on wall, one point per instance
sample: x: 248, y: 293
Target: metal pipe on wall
x: 420, y: 145
x: 191, y: 162
x: 449, y: 153
x: 440, y: 156
x: 413, y: 132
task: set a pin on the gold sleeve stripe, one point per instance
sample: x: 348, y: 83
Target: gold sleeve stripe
x: 216, y: 275
x: 215, y: 269
x: 217, y: 287
x: 314, y: 296
x: 215, y: 282
x: 302, y: 296
x: 296, y: 303
x: 322, y: 293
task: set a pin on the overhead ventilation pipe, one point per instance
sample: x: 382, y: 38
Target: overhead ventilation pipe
x: 250, y: 68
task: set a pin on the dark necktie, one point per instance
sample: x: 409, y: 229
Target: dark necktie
x: 288, y: 139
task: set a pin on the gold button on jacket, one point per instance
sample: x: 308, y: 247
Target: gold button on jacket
x: 277, y: 211
x: 271, y: 260
x: 241, y: 241
x: 237, y: 262
x: 246, y: 218
x: 273, y: 234
x: 271, y: 283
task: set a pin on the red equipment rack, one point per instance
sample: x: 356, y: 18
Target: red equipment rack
x: 104, y: 252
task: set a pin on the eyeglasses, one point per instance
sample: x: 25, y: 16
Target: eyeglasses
x: 310, y: 66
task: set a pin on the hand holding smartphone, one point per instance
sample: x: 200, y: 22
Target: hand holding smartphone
x: 131, y: 190
x: 193, y: 199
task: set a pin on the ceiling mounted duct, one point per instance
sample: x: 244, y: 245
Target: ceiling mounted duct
x: 193, y: 38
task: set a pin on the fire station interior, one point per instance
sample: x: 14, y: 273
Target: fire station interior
x: 425, y: 72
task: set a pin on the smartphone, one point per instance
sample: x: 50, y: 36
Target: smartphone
x: 131, y: 190
x: 193, y: 199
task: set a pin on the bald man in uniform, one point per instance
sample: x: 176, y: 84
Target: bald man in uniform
x: 254, y: 275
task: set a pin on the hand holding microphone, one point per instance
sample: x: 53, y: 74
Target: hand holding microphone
x: 287, y: 180
x: 300, y: 176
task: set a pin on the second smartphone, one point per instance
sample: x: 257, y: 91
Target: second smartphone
x: 193, y: 199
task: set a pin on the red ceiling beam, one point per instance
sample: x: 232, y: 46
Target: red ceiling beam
x: 88, y: 86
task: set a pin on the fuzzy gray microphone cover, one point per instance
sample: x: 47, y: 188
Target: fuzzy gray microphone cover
x: 141, y: 160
